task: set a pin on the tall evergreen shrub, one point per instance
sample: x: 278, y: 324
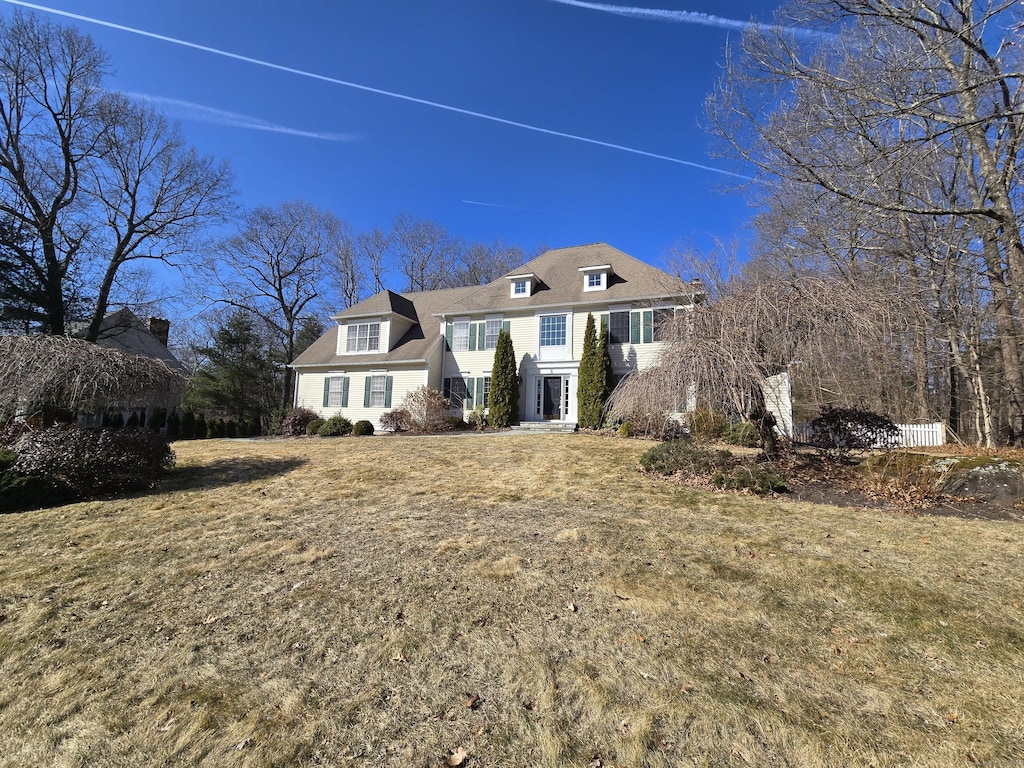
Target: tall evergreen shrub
x: 591, y: 386
x: 504, y: 399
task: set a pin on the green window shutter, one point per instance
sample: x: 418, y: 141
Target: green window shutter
x: 366, y: 392
x: 481, y: 335
x: 604, y: 320
x: 327, y: 390
x: 472, y: 337
x: 634, y: 327
x: 506, y: 326
x: 344, y: 392
x: 648, y: 326
x: 447, y: 392
x: 469, y: 392
x: 448, y: 335
x: 388, y: 383
x: 479, y: 392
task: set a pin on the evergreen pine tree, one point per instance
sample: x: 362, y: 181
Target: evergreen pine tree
x: 591, y: 386
x: 504, y: 399
x: 200, y: 427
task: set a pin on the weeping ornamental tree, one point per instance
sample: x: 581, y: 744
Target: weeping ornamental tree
x: 829, y: 332
x: 54, y: 375
x: 504, y: 400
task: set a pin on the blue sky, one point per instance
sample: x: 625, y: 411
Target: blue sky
x: 632, y: 78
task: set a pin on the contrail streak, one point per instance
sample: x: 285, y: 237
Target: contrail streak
x: 684, y: 17
x: 188, y: 110
x: 367, y: 88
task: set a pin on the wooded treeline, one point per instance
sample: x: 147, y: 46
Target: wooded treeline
x: 887, y: 142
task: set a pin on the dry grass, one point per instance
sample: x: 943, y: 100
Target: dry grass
x: 342, y: 602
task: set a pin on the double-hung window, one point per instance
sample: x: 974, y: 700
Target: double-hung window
x: 618, y: 328
x: 336, y: 393
x: 363, y: 337
x: 552, y: 331
x: 491, y: 334
x: 378, y: 387
x: 460, y: 335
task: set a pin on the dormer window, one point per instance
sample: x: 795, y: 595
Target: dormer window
x: 596, y: 278
x: 363, y: 337
x: 521, y: 285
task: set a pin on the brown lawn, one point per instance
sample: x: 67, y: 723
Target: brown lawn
x: 514, y: 600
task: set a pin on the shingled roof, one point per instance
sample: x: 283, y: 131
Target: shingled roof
x: 415, y: 345
x: 558, y: 282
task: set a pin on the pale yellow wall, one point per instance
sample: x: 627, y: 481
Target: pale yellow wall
x: 311, y: 392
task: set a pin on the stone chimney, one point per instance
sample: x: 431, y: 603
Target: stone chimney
x: 160, y: 328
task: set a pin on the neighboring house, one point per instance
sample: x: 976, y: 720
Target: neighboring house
x: 123, y: 331
x: 391, y: 344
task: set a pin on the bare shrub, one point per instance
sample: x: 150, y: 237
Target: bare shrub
x: 296, y: 421
x: 428, y: 409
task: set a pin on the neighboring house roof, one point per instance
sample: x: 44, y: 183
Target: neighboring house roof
x: 123, y: 331
x: 558, y: 282
x: 415, y: 345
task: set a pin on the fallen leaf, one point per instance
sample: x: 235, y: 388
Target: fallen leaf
x: 571, y: 606
x: 472, y: 702
x: 623, y: 726
x: 458, y: 757
x: 595, y: 763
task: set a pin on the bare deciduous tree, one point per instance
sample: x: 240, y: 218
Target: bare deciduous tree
x: 892, y: 148
x: 89, y: 180
x: 275, y: 268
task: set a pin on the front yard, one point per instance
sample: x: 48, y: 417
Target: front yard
x: 499, y: 601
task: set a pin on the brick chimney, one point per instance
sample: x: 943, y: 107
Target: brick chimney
x: 160, y: 328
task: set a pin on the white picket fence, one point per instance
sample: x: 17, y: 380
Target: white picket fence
x: 911, y: 435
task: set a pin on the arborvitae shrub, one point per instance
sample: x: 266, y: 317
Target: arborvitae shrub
x: 114, y: 420
x: 313, y: 428
x: 188, y: 425
x: 133, y: 421
x: 362, y: 428
x: 296, y: 420
x: 158, y: 419
x: 398, y: 420
x: 230, y: 428
x: 200, y: 430
x: 337, y: 426
x: 173, y: 425
x: 88, y: 462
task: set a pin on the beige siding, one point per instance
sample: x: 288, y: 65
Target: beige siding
x: 311, y: 391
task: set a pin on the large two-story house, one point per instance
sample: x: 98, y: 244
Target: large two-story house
x: 391, y: 344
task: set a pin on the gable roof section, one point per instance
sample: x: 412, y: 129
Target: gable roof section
x: 124, y: 331
x: 415, y: 346
x: 559, y: 282
x: 384, y: 303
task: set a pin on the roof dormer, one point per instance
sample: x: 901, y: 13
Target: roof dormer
x: 521, y: 286
x: 596, y: 278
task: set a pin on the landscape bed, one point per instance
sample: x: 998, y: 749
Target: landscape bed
x: 499, y: 601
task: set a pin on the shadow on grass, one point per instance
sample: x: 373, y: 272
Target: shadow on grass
x: 225, y: 472
x: 28, y: 494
